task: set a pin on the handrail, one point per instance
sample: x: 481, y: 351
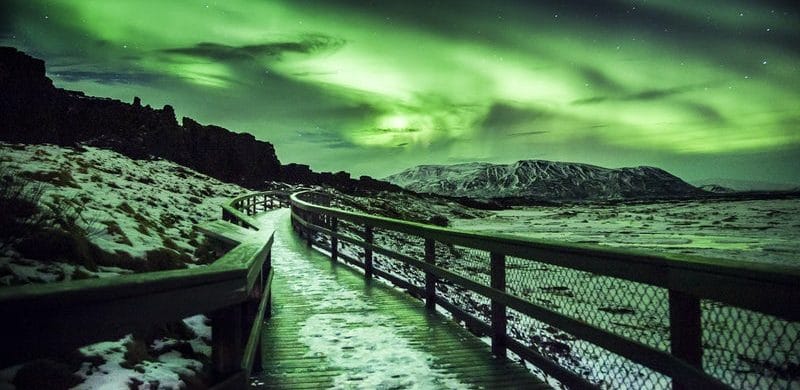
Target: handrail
x: 239, y: 209
x: 55, y: 318
x: 770, y: 290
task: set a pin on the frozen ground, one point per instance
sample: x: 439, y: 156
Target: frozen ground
x: 756, y: 231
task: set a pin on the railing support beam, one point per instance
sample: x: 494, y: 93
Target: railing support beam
x: 430, y: 279
x: 334, y: 239
x: 368, y: 253
x: 499, y: 319
x: 685, y: 328
x: 226, y: 340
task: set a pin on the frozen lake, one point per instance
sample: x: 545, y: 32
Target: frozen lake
x: 754, y: 230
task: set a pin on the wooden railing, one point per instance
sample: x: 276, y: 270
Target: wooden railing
x: 687, y: 280
x: 239, y: 210
x: 49, y: 320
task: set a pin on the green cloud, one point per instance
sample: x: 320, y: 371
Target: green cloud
x: 611, y: 82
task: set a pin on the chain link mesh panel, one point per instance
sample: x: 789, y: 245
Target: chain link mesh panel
x: 472, y: 264
x: 750, y: 350
x: 598, y: 365
x: 406, y: 244
x: 634, y: 310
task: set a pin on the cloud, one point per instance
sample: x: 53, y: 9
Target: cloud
x: 325, y: 139
x: 707, y: 113
x: 598, y: 80
x: 645, y: 95
x: 310, y: 44
x: 504, y: 118
x: 525, y: 133
x: 105, y: 77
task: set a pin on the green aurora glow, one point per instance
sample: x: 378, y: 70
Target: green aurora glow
x: 374, y: 87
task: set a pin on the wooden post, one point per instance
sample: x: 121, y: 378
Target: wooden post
x: 265, y: 268
x: 334, y: 239
x: 368, y: 252
x: 499, y: 319
x: 430, y: 279
x: 249, y: 314
x: 226, y: 340
x: 685, y: 329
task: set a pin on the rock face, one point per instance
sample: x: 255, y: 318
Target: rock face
x: 32, y: 110
x: 543, y: 180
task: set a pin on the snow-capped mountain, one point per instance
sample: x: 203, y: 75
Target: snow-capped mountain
x: 546, y: 180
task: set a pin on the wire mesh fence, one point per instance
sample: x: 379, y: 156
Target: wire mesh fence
x: 599, y: 366
x: 750, y: 350
x: 635, y: 310
x: 404, y: 244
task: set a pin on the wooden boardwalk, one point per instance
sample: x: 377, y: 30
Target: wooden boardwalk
x: 330, y: 328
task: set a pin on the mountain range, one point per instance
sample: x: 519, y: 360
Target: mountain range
x: 544, y: 180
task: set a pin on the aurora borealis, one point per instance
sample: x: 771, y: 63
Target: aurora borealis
x: 702, y: 89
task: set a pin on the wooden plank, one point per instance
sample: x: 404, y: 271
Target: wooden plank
x: 35, y: 331
x: 225, y: 231
x: 226, y: 340
x: 686, y: 332
x: 430, y: 279
x: 499, y: 320
x: 79, y: 292
x: 239, y: 216
x: 236, y: 381
x: 254, y: 336
x: 368, y: 266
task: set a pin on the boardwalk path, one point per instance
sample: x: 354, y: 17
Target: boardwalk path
x: 331, y: 329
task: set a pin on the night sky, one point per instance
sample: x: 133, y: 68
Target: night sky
x: 704, y: 89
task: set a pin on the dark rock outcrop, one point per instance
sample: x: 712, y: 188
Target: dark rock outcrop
x: 33, y: 110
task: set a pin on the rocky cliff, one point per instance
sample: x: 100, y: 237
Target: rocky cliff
x: 33, y: 110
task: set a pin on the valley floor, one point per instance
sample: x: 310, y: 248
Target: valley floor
x: 754, y: 231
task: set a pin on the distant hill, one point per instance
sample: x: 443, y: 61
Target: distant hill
x: 544, y: 180
x: 746, y: 185
x: 717, y: 189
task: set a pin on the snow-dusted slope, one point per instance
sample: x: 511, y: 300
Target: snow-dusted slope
x: 139, y: 216
x: 139, y: 212
x: 541, y: 179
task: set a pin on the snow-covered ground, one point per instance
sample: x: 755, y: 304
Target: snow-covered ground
x: 127, y: 207
x: 756, y: 231
x: 140, y: 214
